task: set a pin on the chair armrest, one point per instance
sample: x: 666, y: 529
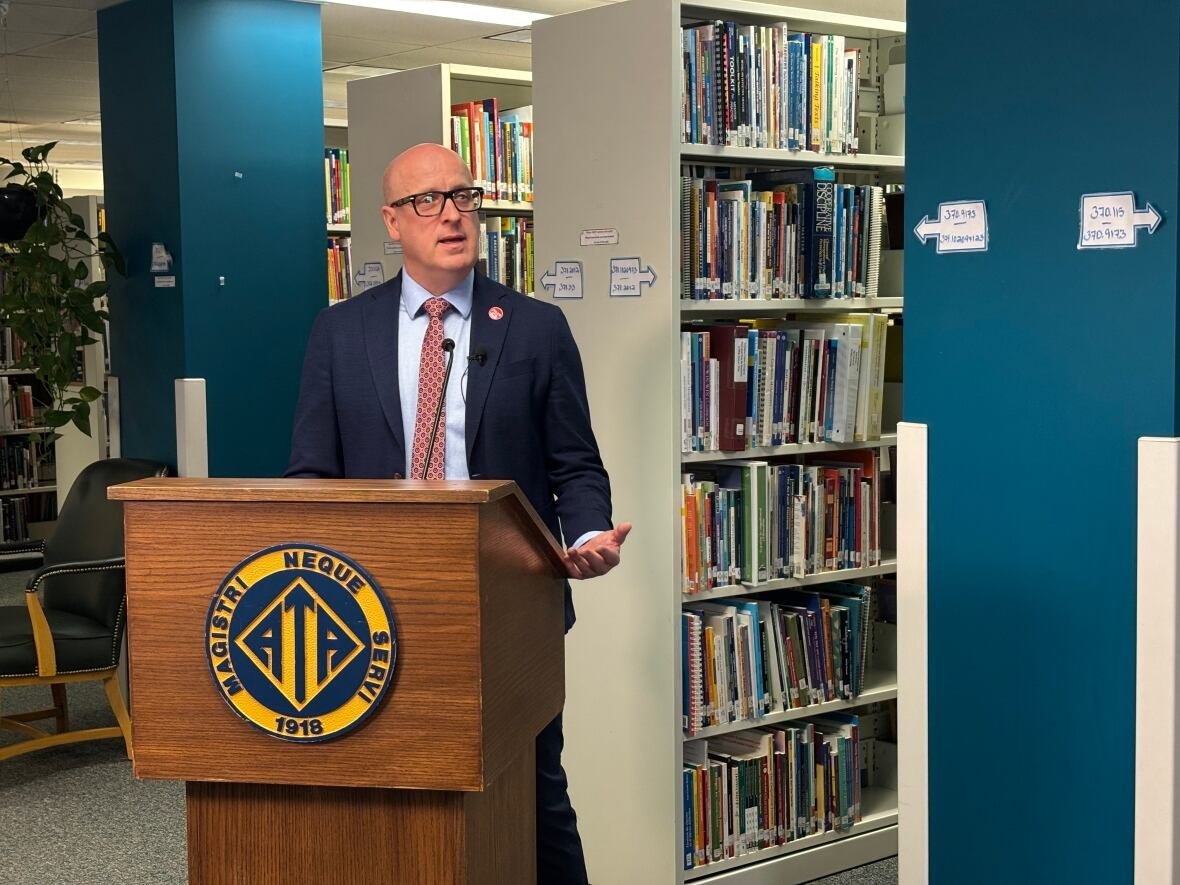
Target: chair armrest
x: 10, y: 548
x: 72, y: 568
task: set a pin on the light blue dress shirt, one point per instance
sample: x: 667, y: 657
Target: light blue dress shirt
x: 411, y: 331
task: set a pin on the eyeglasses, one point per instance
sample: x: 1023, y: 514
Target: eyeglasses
x: 431, y: 203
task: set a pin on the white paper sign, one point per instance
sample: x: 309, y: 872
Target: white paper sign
x: 1110, y: 221
x: 168, y: 282
x: 161, y: 259
x: 565, y: 279
x: 627, y: 275
x: 392, y: 248
x: 372, y: 274
x: 600, y: 236
x: 961, y: 227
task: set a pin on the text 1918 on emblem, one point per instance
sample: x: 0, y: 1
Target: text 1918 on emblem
x: 301, y: 642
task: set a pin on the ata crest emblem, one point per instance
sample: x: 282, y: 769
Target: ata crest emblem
x: 301, y: 642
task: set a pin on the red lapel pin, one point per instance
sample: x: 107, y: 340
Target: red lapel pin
x: 496, y: 313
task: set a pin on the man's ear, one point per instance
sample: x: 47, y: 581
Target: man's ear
x: 389, y: 216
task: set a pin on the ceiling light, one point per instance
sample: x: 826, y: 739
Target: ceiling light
x: 492, y: 15
x: 521, y: 35
x: 355, y: 71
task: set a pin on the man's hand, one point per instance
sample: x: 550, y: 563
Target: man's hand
x: 598, y: 555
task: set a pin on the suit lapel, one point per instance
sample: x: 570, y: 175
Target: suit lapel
x: 382, y: 311
x: 489, y: 334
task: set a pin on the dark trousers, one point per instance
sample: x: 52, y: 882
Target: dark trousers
x: 559, y: 848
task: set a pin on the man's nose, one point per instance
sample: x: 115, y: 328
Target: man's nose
x: 449, y: 212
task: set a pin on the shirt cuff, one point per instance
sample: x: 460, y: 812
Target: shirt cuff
x: 586, y: 537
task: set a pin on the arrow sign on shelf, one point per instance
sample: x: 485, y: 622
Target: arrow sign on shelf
x: 961, y: 227
x: 628, y: 275
x: 1111, y: 221
x: 565, y: 279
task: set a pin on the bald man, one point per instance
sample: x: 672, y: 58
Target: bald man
x: 517, y: 409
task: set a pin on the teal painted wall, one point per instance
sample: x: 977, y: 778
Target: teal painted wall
x: 1036, y: 367
x: 142, y: 197
x: 245, y: 81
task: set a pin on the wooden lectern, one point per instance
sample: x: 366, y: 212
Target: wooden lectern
x: 437, y: 784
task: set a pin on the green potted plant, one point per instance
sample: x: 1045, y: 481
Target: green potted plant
x: 45, y: 296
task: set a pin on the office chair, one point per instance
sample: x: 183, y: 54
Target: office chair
x: 74, y: 633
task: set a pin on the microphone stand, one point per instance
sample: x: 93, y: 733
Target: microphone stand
x: 448, y: 347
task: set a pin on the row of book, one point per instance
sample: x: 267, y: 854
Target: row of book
x: 506, y: 248
x: 11, y: 348
x: 18, y: 409
x: 791, y: 233
x: 764, y: 87
x: 339, y: 269
x: 743, y: 659
x: 753, y: 790
x: 23, y: 464
x: 497, y: 146
x: 16, y: 512
x: 770, y: 382
x: 337, y: 192
x: 750, y: 522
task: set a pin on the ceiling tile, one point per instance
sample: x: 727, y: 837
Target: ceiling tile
x: 30, y: 90
x: 443, y: 54
x: 51, y: 68
x: 496, y: 47
x: 79, y: 49
x: 339, y: 49
x: 41, y: 18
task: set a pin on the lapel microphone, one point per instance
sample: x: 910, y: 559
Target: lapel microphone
x: 448, y: 347
x: 479, y: 357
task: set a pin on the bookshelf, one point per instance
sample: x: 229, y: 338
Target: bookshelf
x: 396, y: 111
x: 607, y: 96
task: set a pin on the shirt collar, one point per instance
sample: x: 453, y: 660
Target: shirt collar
x: 414, y: 296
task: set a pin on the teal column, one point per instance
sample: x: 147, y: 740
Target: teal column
x: 1036, y: 367
x: 212, y: 122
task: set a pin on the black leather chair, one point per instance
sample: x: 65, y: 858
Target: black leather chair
x: 74, y: 633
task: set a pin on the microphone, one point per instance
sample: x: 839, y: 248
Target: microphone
x: 448, y: 347
x: 480, y: 356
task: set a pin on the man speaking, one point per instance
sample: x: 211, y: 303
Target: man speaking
x: 372, y: 404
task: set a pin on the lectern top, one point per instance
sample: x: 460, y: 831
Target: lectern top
x: 382, y: 491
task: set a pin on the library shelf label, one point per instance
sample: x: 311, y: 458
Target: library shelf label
x: 599, y: 236
x: 372, y: 274
x: 1111, y: 221
x: 628, y: 276
x: 565, y: 279
x: 961, y: 227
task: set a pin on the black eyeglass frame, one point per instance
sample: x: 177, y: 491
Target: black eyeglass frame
x: 446, y: 195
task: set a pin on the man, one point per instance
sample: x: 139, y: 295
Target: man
x: 515, y: 406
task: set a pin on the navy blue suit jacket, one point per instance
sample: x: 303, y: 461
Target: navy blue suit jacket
x: 527, y: 417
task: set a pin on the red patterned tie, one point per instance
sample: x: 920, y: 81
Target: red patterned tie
x: 430, y: 378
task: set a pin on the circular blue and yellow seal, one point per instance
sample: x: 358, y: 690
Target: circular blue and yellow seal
x: 301, y: 642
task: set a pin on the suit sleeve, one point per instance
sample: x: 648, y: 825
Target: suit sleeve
x: 315, y: 436
x: 576, y: 475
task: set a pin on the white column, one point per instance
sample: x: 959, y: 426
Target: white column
x: 913, y: 776
x: 192, y: 437
x: 1158, y: 566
